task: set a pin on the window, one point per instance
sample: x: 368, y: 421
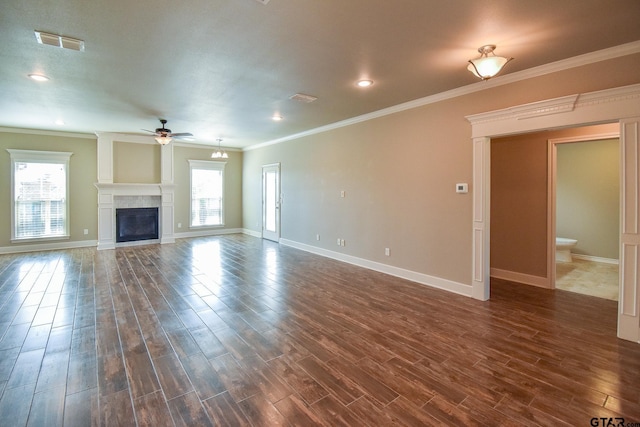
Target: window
x: 39, y: 189
x: 207, y: 193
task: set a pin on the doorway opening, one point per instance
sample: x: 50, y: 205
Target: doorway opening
x: 584, y: 213
x: 609, y: 105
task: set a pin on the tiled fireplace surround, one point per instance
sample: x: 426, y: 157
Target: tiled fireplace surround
x: 132, y: 195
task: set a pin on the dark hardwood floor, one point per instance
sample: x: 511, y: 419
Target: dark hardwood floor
x: 238, y: 331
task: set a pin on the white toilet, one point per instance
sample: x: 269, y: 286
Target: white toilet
x: 563, y: 249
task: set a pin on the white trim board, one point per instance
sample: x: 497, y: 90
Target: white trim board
x: 424, y: 279
x: 596, y: 259
x: 47, y: 246
x: 527, y: 279
x: 208, y: 232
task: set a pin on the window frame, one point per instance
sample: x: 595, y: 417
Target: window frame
x: 35, y: 156
x: 207, y: 165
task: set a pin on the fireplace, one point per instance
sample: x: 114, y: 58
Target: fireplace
x: 133, y: 224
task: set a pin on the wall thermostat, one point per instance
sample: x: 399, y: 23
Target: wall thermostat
x: 462, y: 188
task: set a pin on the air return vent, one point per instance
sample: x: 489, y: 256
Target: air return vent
x: 59, y: 41
x: 301, y: 97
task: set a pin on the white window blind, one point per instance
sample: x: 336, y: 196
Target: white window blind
x: 40, y: 194
x: 207, y: 193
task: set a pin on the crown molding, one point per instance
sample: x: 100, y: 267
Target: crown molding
x: 553, y: 67
x: 48, y: 133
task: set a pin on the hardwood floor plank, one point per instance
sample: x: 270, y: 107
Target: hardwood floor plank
x: 140, y: 374
x: 47, y: 408
x: 235, y: 330
x: 234, y: 378
x: 116, y: 409
x: 187, y: 411
x: 261, y: 413
x: 16, y: 403
x: 343, y: 388
x: 53, y: 372
x: 152, y: 410
x: 26, y: 369
x: 334, y: 413
x: 81, y: 409
x: 183, y: 343
x: 270, y: 384
x: 173, y: 379
x: 298, y: 379
x: 204, y: 378
x: 297, y: 412
x: 82, y: 374
x: 224, y: 411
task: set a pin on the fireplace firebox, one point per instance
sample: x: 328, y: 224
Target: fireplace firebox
x: 133, y: 224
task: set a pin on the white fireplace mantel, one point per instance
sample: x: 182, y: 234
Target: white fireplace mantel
x: 108, y: 190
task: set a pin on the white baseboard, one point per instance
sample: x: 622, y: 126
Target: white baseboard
x: 424, y: 279
x: 252, y: 233
x: 596, y: 259
x: 210, y: 232
x: 37, y: 247
x: 527, y: 279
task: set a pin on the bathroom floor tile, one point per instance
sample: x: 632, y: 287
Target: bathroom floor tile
x: 597, y: 279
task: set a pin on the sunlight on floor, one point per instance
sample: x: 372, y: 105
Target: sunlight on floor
x: 589, y: 278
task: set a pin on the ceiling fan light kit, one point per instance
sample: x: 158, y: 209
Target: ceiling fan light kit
x: 164, y: 136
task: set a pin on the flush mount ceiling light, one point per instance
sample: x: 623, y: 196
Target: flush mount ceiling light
x: 219, y: 153
x: 364, y: 83
x: 276, y: 117
x: 38, y: 77
x: 488, y: 65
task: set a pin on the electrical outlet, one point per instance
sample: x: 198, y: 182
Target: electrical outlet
x: 86, y: 231
x: 179, y: 225
x: 342, y: 193
x: 339, y: 242
x: 317, y: 237
x: 387, y: 252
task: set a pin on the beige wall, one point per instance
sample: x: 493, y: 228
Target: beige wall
x: 232, y: 187
x: 83, y: 203
x: 135, y: 163
x: 588, y: 196
x: 399, y: 173
x: 519, y: 204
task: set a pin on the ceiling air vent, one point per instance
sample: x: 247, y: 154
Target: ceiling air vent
x: 301, y: 97
x: 59, y: 41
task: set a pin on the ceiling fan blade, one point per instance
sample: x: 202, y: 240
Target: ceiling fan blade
x: 150, y: 131
x: 181, y: 135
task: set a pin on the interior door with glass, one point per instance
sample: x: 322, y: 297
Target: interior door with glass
x: 271, y: 202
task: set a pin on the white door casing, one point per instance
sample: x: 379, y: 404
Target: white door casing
x: 612, y: 105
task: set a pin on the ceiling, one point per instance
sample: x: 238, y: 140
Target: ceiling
x: 223, y: 68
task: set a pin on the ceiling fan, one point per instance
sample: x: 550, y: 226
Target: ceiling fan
x: 164, y: 135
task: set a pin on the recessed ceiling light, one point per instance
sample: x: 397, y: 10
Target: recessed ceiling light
x: 276, y: 117
x: 364, y: 83
x: 39, y: 77
x: 60, y: 122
